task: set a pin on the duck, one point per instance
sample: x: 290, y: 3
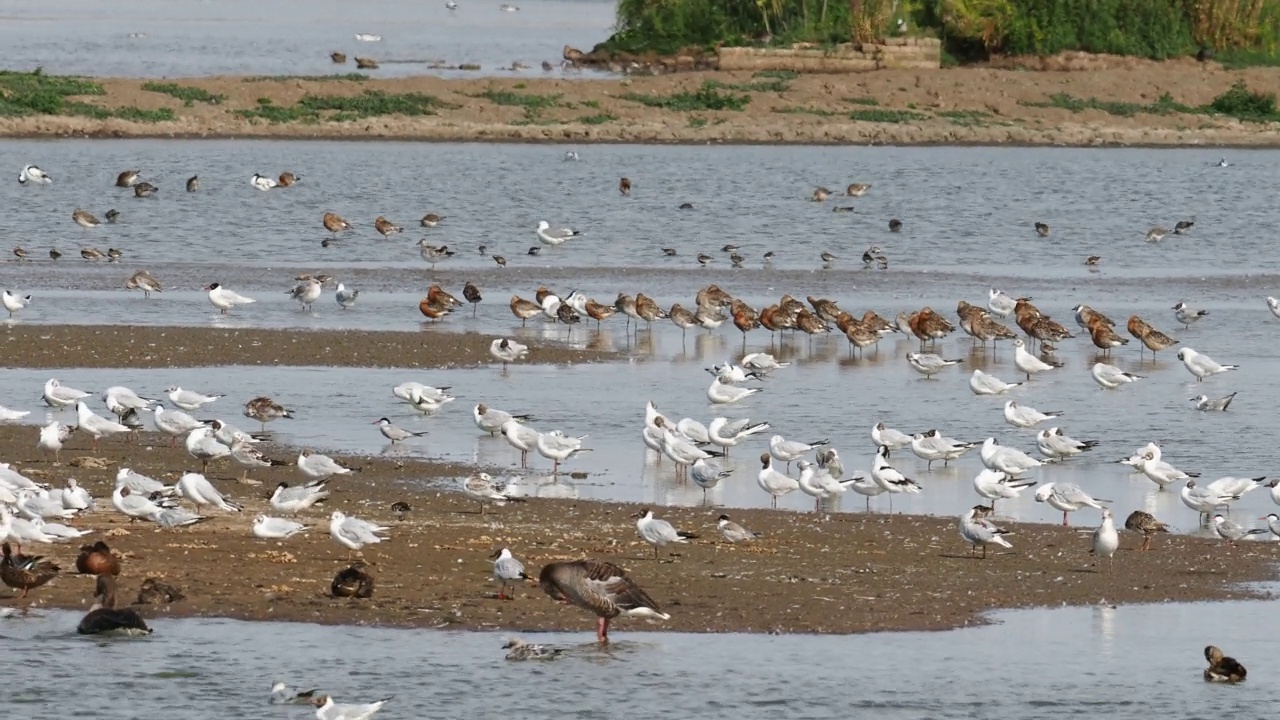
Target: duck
x: 287, y: 178
x: 820, y: 194
x: 103, y: 618
x: 25, y: 571
x: 128, y: 178
x: 352, y: 581
x: 1222, y: 669
x: 600, y: 587
x: 895, y: 225
x: 144, y: 189
x: 1042, y: 229
x: 857, y: 189
x: 364, y: 63
x: 624, y: 186
x: 338, y: 58
x: 518, y: 649
x: 154, y: 592
x: 97, y: 559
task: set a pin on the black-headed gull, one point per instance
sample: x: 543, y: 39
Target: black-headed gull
x: 707, y: 475
x: 491, y: 420
x: 1202, y: 366
x: 327, y: 709
x: 980, y: 532
x: 136, y: 505
x: 1027, y: 363
x: 315, y: 465
x: 95, y: 425
x: 1186, y: 314
x: 197, y: 489
x: 353, y: 533
x: 294, y: 500
x: 14, y: 302
x: 659, y: 533
x: 929, y: 364
x: 202, y: 446
x: 554, y: 236
x: 995, y: 485
x: 189, y: 400
x: 482, y: 488
x: 173, y: 423
x: 789, y: 451
x: 506, y: 570
x: 1056, y: 445
x: 282, y: 694
x: 507, y: 351
x: 61, y: 396
x: 225, y: 299
x: 522, y: 438
x: 272, y: 528
x: 773, y: 482
x: 1025, y: 416
x: 52, y: 436
x: 887, y: 437
x: 141, y: 484
x: 1008, y: 460
x: 558, y: 447
x: 984, y: 384
x: 726, y: 433
x: 1067, y: 497
x: 345, y: 298
x: 1111, y: 377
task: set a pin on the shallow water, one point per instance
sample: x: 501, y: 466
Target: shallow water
x: 1126, y: 663
x: 966, y: 231
x: 152, y: 38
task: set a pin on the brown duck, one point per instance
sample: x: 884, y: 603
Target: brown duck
x: 1222, y: 669
x: 154, y: 592
x: 25, y: 571
x: 97, y: 559
x: 601, y: 587
x: 352, y: 581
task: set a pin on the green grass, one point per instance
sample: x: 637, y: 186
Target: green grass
x: 884, y: 115
x: 187, y: 94
x: 1243, y: 104
x: 593, y: 104
x: 777, y: 74
x: 1239, y: 59
x: 965, y: 118
x: 697, y: 122
x: 1166, y: 105
x: 705, y: 98
x: 534, y: 105
x: 34, y: 93
x: 796, y: 110
x: 353, y: 77
x: 1238, y: 102
x: 868, y: 101
x: 756, y: 86
x: 337, y: 108
x: 597, y: 119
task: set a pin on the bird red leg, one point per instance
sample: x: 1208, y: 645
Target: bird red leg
x: 602, y: 631
x: 1064, y: 518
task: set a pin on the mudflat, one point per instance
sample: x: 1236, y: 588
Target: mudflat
x: 1122, y: 103
x: 843, y: 573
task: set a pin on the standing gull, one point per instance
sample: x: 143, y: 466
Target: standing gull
x: 1027, y: 363
x: 979, y: 532
x: 507, y: 569
x: 353, y: 533
x: 735, y: 533
x: 1106, y: 540
x: 659, y: 533
x: 1067, y: 497
x: 1202, y: 366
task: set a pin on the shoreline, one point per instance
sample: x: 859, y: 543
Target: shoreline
x: 851, y: 573
x: 1146, y: 105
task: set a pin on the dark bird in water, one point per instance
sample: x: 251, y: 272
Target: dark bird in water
x: 1222, y: 669
x: 624, y: 186
x: 1183, y: 227
x: 104, y: 618
x: 154, y: 592
x: 895, y: 225
x: 352, y: 582
x: 1042, y: 229
x: 193, y: 183
x: 472, y: 294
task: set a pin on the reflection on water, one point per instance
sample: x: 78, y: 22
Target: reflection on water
x: 1127, y: 663
x: 145, y: 38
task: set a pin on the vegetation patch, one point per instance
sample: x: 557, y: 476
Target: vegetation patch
x: 352, y: 77
x: 34, y: 93
x: 753, y: 86
x: 1243, y: 104
x: 534, y: 105
x: 787, y: 75
x: 704, y: 98
x: 797, y: 110
x: 965, y: 118
x: 338, y: 108
x: 867, y: 101
x: 187, y: 94
x: 597, y: 119
x: 885, y: 115
x: 1238, y: 102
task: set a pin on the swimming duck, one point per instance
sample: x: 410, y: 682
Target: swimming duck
x: 895, y: 225
x: 624, y: 186
x: 364, y: 63
x: 104, y: 618
x: 287, y: 178
x: 520, y: 650
x: 128, y: 178
x: 1222, y: 669
x: 97, y: 559
x: 1042, y: 229
x: 820, y: 194
x: 601, y: 587
x: 154, y: 592
x: 25, y: 571
x: 143, y: 189
x: 352, y: 582
x: 338, y: 58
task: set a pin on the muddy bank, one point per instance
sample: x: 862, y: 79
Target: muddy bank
x: 1106, y: 106
x: 92, y: 346
x: 850, y: 573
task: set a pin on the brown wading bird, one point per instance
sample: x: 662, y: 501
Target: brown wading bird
x: 334, y: 223
x: 431, y: 220
x: 599, y: 312
x: 264, y: 410
x: 1104, y: 338
x: 287, y: 178
x: 85, y: 219
x: 929, y: 326
x: 144, y: 281
x: 1147, y: 524
x: 524, y: 309
x: 601, y: 587
x: 338, y: 58
x: 128, y: 178
x: 472, y: 295
x: 1151, y: 338
x: 25, y: 571
x: 366, y: 64
x: 682, y: 319
x: 92, y: 254
x: 624, y: 186
x: 104, y: 618
x: 385, y: 227
x: 352, y: 581
x: 97, y: 559
x: 1222, y: 669
x: 144, y: 189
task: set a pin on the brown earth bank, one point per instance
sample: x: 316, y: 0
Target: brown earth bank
x: 851, y: 572
x: 949, y: 106
x: 106, y: 346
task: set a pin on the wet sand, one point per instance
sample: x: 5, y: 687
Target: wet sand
x: 903, y: 107
x: 850, y: 573
x: 54, y: 346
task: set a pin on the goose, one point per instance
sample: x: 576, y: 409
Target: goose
x: 601, y: 587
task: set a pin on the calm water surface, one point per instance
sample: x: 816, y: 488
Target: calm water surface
x: 155, y: 38
x: 1126, y: 663
x: 968, y: 214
